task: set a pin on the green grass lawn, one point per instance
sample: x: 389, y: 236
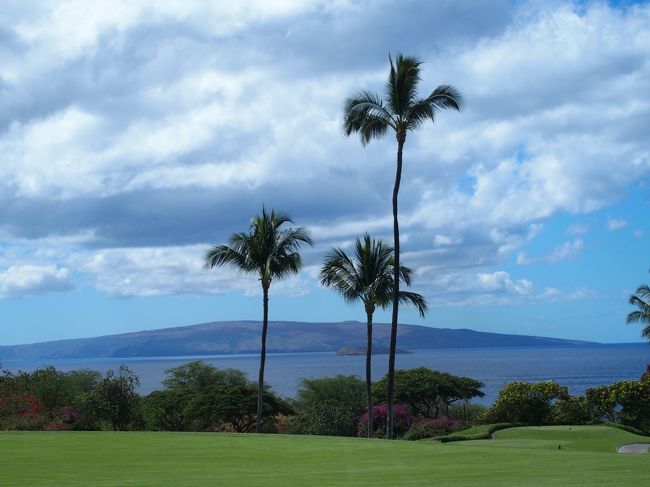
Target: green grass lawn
x: 517, y: 456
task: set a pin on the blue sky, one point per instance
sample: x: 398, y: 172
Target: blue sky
x: 133, y: 135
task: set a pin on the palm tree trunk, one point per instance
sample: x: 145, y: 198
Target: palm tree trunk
x: 260, y: 380
x: 401, y: 137
x: 369, y: 374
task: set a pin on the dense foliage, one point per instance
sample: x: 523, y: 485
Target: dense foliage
x: 347, y: 390
x: 113, y: 400
x: 200, y: 397
x: 526, y: 403
x: 544, y: 403
x: 328, y: 406
x: 426, y: 392
x: 626, y: 402
x: 41, y: 399
x: 402, y: 422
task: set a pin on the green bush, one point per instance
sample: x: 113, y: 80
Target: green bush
x: 346, y: 390
x: 431, y: 428
x: 571, y: 410
x: 524, y: 402
x: 480, y: 432
x: 428, y: 393
x: 467, y: 412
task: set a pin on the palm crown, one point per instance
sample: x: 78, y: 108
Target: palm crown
x: 367, y: 275
x: 267, y: 249
x: 403, y: 111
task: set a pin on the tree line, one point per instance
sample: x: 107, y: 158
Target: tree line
x: 200, y: 397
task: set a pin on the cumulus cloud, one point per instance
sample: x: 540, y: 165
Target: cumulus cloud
x: 170, y: 271
x: 28, y: 280
x: 491, y: 288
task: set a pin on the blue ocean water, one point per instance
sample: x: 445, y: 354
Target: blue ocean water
x: 579, y: 367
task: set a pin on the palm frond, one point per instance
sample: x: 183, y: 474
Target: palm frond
x: 444, y: 97
x: 419, y: 112
x: 365, y: 114
x: 646, y: 332
x: 642, y: 316
x: 415, y: 300
x: 285, y: 265
x: 643, y: 292
x: 339, y: 272
x: 405, y: 274
x: 223, y: 255
x: 373, y: 127
x: 292, y: 238
x: 402, y: 84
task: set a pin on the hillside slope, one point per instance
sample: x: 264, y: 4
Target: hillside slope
x: 233, y: 337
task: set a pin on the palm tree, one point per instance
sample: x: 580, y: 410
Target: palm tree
x: 367, y: 276
x: 641, y: 299
x: 403, y: 112
x: 269, y: 251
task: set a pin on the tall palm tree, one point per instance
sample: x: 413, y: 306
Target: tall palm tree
x: 641, y: 299
x: 367, y: 276
x: 403, y: 112
x: 269, y: 251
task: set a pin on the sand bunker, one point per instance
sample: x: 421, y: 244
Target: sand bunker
x: 634, y: 448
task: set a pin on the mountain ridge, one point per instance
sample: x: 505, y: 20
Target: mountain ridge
x: 243, y: 336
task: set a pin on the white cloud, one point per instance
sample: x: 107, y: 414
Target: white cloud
x: 489, y: 288
x: 614, y: 224
x: 170, y: 271
x: 100, y: 106
x: 577, y: 229
x: 566, y: 251
x: 28, y: 280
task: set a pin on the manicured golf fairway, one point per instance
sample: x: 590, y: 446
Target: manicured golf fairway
x: 518, y: 456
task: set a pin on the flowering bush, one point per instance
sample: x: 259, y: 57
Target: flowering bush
x: 21, y: 411
x: 431, y: 428
x: 402, y: 421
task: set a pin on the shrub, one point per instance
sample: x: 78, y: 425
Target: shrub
x: 626, y: 402
x: 20, y: 411
x: 572, y: 410
x: 523, y: 402
x: 402, y: 420
x: 467, y: 412
x: 346, y: 390
x: 428, y: 392
x: 481, y: 432
x: 330, y: 418
x: 431, y: 428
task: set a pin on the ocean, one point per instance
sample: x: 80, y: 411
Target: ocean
x: 578, y: 367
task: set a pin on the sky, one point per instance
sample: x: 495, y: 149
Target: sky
x: 134, y: 135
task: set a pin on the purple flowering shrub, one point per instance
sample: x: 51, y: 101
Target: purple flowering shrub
x: 402, y: 421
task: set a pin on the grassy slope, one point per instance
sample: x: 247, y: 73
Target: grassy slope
x: 519, y: 456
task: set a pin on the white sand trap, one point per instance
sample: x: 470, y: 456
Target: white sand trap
x: 634, y: 448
